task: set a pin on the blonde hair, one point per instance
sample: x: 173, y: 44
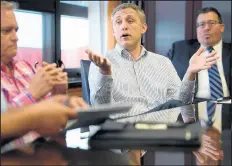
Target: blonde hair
x: 132, y: 6
x: 9, y: 5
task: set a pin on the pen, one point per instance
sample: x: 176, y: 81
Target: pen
x: 36, y: 63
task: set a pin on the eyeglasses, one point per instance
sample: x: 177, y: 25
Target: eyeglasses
x: 211, y: 23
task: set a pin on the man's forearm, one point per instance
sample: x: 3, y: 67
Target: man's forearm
x: 103, y: 94
x: 187, y: 88
x: 191, y: 76
x: 16, y: 122
x: 24, y: 98
x: 188, y: 113
x: 100, y: 86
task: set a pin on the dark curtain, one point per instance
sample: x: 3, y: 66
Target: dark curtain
x: 141, y: 5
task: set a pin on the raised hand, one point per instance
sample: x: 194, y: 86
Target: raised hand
x: 199, y: 62
x: 103, y: 64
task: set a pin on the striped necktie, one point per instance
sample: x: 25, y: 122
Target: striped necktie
x: 215, y: 89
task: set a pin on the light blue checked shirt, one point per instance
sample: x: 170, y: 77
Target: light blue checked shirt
x: 147, y: 82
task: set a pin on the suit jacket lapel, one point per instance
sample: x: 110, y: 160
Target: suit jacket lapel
x: 194, y: 49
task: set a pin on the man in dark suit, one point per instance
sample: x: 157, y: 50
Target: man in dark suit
x: 209, y: 35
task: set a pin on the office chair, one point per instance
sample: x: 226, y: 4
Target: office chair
x: 85, y: 85
x: 84, y: 79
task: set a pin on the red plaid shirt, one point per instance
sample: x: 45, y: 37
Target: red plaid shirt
x: 14, y: 86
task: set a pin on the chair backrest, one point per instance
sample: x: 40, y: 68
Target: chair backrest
x: 84, y: 79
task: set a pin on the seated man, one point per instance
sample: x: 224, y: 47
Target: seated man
x: 20, y: 83
x: 131, y: 74
x: 47, y: 118
x: 209, y: 33
x: 213, y: 83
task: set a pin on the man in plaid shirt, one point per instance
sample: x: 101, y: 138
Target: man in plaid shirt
x: 20, y: 83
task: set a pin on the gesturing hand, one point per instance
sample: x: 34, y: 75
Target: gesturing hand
x: 103, y: 64
x: 199, y: 62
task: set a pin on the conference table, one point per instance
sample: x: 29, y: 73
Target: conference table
x: 57, y: 151
x: 220, y: 132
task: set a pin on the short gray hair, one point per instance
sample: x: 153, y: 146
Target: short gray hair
x: 9, y: 5
x: 132, y: 6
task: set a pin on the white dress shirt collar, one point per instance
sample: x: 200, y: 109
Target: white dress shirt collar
x: 217, y: 47
x: 124, y: 53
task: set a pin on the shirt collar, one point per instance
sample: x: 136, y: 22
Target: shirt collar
x: 124, y: 53
x: 11, y: 65
x: 217, y: 46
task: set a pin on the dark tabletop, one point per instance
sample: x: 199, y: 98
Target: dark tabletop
x: 54, y: 153
x: 57, y: 153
